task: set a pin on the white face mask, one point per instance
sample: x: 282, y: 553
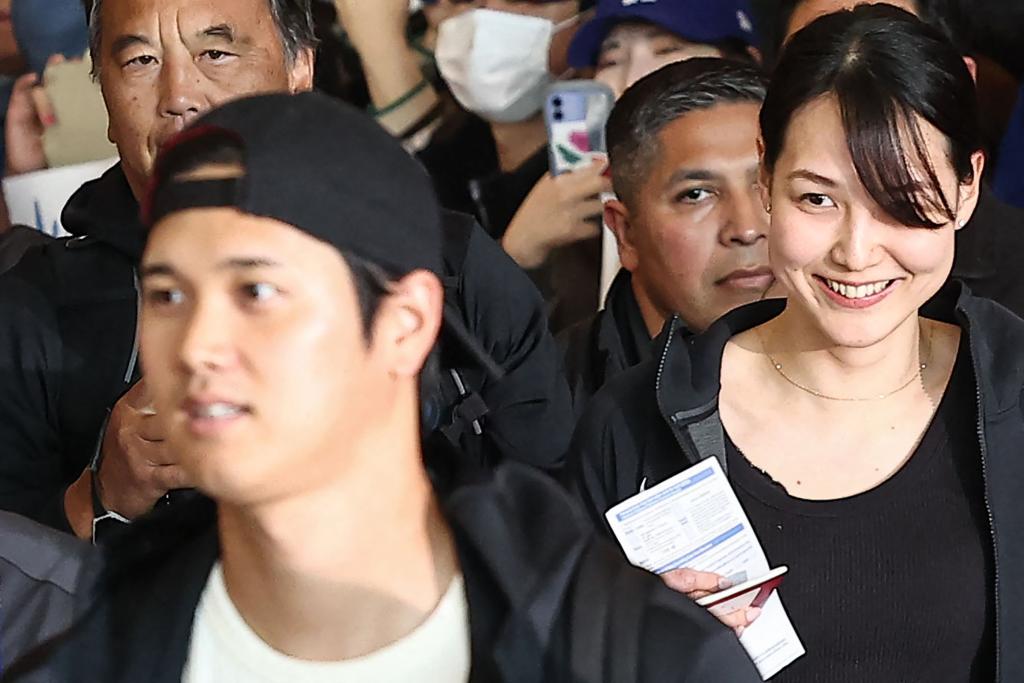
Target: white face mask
x: 496, y: 63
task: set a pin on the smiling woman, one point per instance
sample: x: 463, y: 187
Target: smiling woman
x: 861, y: 436
x: 871, y: 425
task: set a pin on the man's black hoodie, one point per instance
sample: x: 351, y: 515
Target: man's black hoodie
x: 69, y: 349
x: 614, y: 339
x: 67, y: 346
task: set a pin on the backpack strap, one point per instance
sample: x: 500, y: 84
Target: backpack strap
x: 607, y: 616
x: 629, y: 601
x: 461, y: 410
x: 589, y: 616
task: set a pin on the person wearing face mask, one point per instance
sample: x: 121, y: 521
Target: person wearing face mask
x: 497, y: 60
x: 627, y: 40
x: 479, y: 131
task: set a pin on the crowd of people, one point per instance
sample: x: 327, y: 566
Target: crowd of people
x: 323, y: 386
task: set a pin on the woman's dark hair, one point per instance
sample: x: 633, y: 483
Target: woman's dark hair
x: 933, y: 12
x: 885, y: 68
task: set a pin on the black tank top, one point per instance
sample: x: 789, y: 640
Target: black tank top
x: 894, y: 584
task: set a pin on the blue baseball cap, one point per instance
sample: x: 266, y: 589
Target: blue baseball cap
x: 699, y: 21
x: 47, y: 27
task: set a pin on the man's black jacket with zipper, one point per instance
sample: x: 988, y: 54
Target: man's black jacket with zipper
x: 548, y: 600
x: 658, y: 418
x: 614, y: 339
x: 68, y: 348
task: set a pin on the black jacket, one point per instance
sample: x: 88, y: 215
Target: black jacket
x: 548, y: 601
x: 660, y: 417
x: 988, y: 252
x: 68, y: 348
x: 598, y: 349
x: 15, y: 242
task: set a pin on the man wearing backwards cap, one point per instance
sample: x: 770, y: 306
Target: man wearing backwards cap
x: 289, y: 307
x: 628, y: 39
x: 68, y: 309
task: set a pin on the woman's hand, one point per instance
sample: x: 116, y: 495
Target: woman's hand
x: 376, y: 29
x: 371, y: 22
x: 559, y: 210
x: 29, y: 114
x: 696, y: 585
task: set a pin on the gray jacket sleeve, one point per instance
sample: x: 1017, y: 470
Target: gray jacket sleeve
x: 42, y: 575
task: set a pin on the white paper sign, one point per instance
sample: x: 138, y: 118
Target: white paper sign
x: 37, y: 199
x: 694, y: 520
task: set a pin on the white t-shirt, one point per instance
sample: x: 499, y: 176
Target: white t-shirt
x: 224, y: 648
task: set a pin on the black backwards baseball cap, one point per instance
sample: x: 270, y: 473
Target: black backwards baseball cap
x: 327, y: 169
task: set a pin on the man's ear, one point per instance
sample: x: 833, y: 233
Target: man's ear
x: 617, y: 218
x: 970, y: 192
x: 408, y: 322
x: 972, y: 66
x: 300, y: 74
x: 764, y: 177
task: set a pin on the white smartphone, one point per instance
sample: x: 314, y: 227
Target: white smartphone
x: 752, y: 593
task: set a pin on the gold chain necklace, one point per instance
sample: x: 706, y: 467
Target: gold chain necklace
x: 814, y: 392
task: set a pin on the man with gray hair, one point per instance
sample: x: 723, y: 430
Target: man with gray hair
x: 68, y: 310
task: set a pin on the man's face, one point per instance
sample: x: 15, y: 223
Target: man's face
x: 694, y: 234
x: 634, y: 49
x: 165, y: 62
x: 809, y: 10
x: 255, y: 354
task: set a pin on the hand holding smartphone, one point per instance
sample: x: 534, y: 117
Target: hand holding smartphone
x: 752, y: 593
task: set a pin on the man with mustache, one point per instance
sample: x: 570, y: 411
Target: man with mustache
x: 688, y: 220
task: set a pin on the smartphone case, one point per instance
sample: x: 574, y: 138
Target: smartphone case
x: 575, y: 113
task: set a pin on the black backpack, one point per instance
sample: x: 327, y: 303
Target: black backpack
x: 453, y: 407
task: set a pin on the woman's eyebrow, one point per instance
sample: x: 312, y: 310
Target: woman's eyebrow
x: 804, y: 174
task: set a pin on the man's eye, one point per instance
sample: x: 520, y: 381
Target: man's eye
x: 693, y: 196
x: 818, y: 201
x: 216, y: 55
x: 141, y: 60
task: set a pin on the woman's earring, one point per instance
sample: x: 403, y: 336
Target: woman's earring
x: 768, y: 208
x: 960, y: 222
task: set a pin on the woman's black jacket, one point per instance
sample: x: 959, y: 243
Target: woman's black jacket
x: 660, y: 417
